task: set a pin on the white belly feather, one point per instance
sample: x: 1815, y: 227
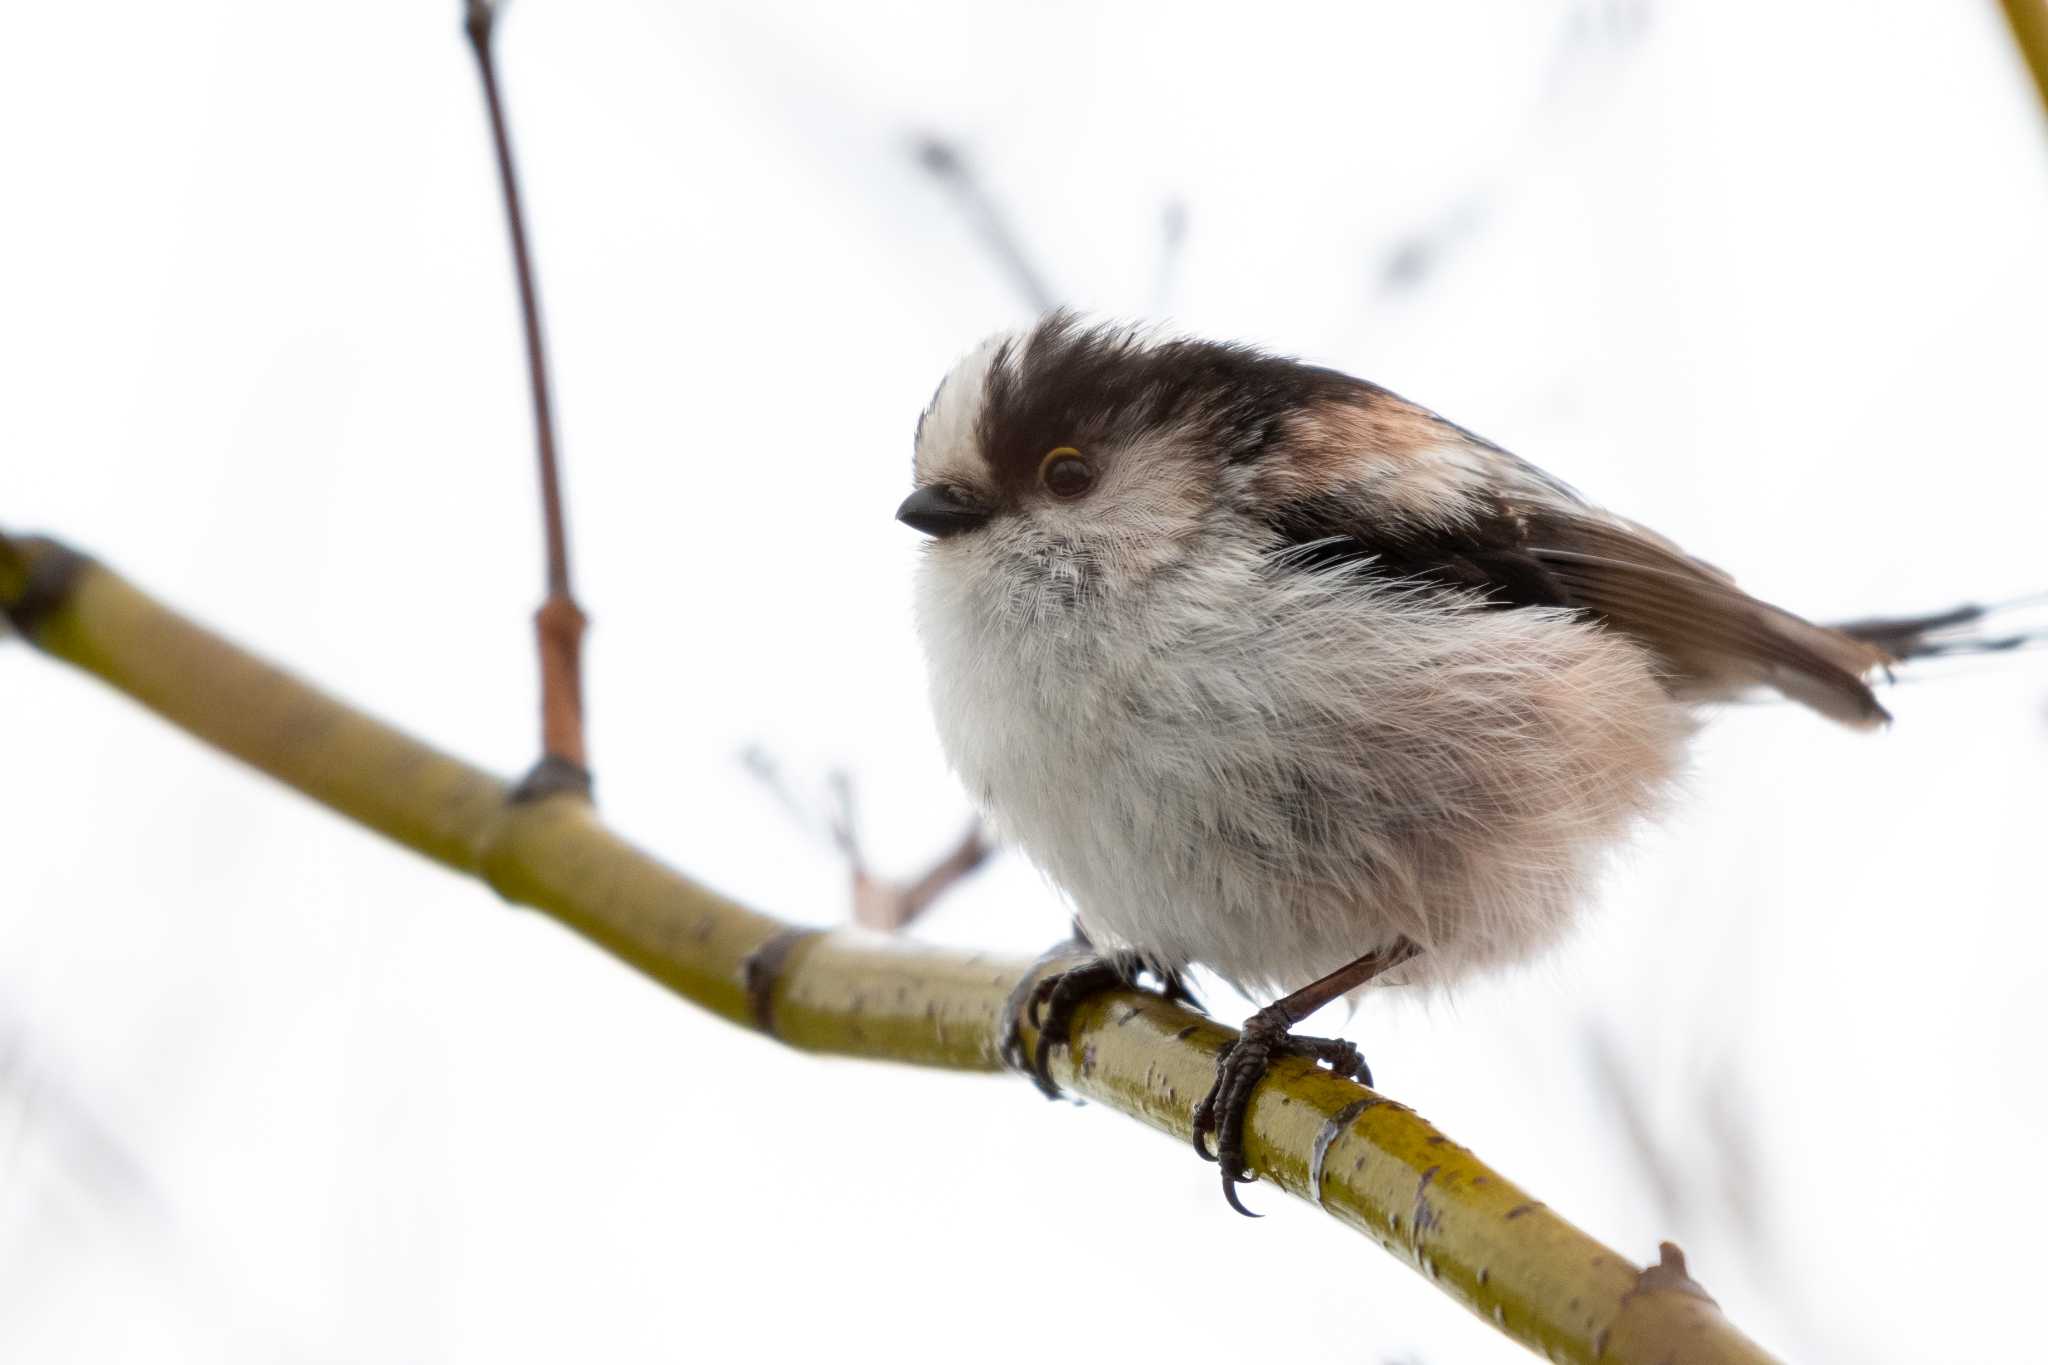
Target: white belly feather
x: 1272, y: 783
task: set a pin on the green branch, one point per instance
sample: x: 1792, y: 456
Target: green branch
x: 1367, y: 1161
x: 2029, y: 21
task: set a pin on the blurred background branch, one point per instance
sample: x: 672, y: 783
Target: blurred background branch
x: 877, y: 902
x: 993, y: 227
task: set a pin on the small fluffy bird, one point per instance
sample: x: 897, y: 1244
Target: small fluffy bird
x: 1279, y: 674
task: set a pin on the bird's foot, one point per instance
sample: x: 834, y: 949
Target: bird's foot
x: 1049, y: 1003
x: 1239, y: 1068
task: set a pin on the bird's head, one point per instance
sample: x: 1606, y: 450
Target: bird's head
x: 1089, y: 458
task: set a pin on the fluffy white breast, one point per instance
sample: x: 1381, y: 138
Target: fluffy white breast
x: 1272, y: 773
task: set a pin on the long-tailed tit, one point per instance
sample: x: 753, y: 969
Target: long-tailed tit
x: 1279, y: 674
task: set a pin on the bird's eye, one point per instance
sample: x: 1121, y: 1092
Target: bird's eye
x: 1064, y: 473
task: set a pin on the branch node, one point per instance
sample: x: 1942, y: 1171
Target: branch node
x: 552, y: 776
x: 763, y: 969
x: 477, y: 18
x: 1668, y: 1274
x: 53, y: 569
x: 1327, y: 1135
x: 558, y: 629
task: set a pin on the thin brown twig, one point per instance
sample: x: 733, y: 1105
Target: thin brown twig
x: 560, y: 622
x: 887, y: 905
x: 878, y: 902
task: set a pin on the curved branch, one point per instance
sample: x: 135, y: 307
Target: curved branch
x: 2029, y: 22
x: 1366, y: 1160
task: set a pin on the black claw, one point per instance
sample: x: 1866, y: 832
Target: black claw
x: 1033, y: 1064
x: 1174, y: 987
x: 1240, y: 1066
x: 1205, y: 1112
x: 1011, y: 1045
x: 1230, y: 1197
x: 1041, y: 1068
x: 1050, y: 1003
x: 1015, y: 1058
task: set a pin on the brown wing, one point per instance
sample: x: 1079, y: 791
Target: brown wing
x: 1716, y: 638
x: 1543, y: 551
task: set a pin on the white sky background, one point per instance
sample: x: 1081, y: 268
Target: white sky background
x: 1767, y: 276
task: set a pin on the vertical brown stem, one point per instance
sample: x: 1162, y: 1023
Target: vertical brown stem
x: 560, y: 622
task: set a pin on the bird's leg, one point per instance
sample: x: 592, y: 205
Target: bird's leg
x: 1051, y: 1001
x: 1242, y: 1063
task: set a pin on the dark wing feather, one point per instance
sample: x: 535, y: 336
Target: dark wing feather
x: 1711, y: 638
x: 1715, y: 637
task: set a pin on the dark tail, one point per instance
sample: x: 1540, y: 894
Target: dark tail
x: 1974, y: 628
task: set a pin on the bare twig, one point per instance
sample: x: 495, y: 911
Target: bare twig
x: 762, y: 764
x: 887, y: 905
x: 559, y: 624
x: 95, y: 1148
x: 950, y: 168
x: 844, y: 819
x: 1611, y: 1077
x: 1728, y: 1107
x: 878, y: 902
x: 1591, y: 36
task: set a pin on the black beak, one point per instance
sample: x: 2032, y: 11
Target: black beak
x: 939, y: 511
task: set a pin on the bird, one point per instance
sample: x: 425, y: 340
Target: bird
x: 1276, y: 673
